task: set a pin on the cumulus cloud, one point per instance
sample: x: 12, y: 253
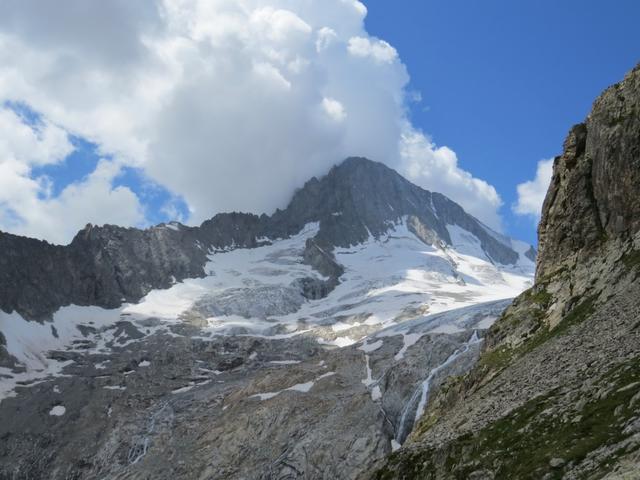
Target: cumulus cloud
x: 229, y: 104
x: 379, y: 50
x: 531, y: 193
x: 39, y: 144
x: 436, y: 168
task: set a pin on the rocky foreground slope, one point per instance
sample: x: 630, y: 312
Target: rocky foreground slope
x: 299, y: 345
x: 556, y: 392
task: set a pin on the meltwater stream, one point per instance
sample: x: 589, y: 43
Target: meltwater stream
x: 410, y: 416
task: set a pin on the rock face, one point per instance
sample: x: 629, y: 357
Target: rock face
x: 108, y: 265
x: 359, y: 198
x: 594, y: 195
x: 555, y: 392
x: 176, y: 406
x: 101, y: 266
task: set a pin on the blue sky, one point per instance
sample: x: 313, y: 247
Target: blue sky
x: 502, y: 81
x: 178, y: 110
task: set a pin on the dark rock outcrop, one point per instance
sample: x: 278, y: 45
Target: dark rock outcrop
x: 594, y: 195
x: 102, y: 266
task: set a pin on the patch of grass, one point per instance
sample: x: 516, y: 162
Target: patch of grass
x: 631, y: 259
x: 502, y: 356
x: 528, y: 438
x: 407, y: 464
x: 540, y: 297
x: 498, y: 358
x: 577, y: 315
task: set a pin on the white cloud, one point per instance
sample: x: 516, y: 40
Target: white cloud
x: 436, y: 168
x: 229, y: 104
x: 379, y: 50
x: 531, y: 193
x: 334, y: 109
x: 39, y: 144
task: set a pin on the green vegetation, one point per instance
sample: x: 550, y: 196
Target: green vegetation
x: 631, y: 259
x: 526, y: 440
x: 500, y: 357
x: 541, y: 297
x: 577, y: 315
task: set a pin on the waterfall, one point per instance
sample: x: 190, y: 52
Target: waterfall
x: 422, y: 392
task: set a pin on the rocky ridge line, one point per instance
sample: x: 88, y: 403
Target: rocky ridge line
x: 106, y: 266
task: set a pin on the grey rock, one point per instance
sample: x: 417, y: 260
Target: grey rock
x: 531, y: 254
x: 595, y: 189
x: 179, y: 407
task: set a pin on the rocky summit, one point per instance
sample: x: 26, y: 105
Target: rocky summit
x: 556, y: 390
x: 367, y: 331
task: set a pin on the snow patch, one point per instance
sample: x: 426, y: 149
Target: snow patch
x: 376, y: 394
x: 387, y: 281
x: 58, y: 411
x: 338, y: 342
x: 370, y: 347
x: 408, y: 340
x: 298, y: 387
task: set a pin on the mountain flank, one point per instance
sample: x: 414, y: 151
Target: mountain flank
x: 106, y: 266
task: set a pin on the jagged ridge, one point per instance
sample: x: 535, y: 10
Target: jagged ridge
x: 108, y: 265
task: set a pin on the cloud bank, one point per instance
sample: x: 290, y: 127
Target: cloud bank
x: 531, y: 193
x: 229, y: 105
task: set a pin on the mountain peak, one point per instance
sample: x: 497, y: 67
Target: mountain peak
x: 356, y: 200
x: 359, y: 198
x: 351, y: 164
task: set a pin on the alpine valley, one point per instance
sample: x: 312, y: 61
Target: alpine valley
x: 368, y: 330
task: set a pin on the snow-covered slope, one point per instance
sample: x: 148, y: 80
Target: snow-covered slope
x: 388, y: 282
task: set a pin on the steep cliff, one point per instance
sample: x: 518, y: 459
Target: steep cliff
x: 594, y: 196
x: 556, y: 391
